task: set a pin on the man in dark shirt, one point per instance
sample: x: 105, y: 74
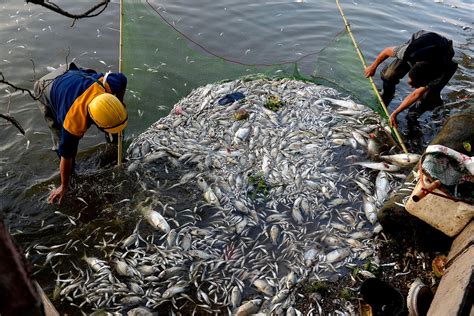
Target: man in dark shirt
x: 71, y: 100
x: 427, y: 58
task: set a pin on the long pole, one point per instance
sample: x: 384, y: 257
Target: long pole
x: 120, y: 134
x: 361, y: 57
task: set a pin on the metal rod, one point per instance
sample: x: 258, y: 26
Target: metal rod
x: 374, y: 87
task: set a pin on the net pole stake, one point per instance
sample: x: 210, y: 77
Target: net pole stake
x: 374, y: 87
x: 119, y: 149
x: 120, y: 135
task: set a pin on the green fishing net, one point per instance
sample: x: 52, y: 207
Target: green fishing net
x: 164, y: 63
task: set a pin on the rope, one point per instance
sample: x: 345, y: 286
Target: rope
x: 361, y: 57
x: 207, y: 50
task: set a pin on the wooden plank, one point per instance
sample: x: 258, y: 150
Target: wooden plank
x: 49, y: 309
x: 451, y: 296
x: 462, y: 241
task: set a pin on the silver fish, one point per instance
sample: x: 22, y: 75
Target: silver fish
x: 156, y: 220
x: 248, y: 308
x: 403, y: 160
x: 378, y: 166
x: 337, y: 255
x: 264, y: 287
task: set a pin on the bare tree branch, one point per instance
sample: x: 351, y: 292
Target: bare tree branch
x: 2, y: 80
x: 12, y: 120
x: 100, y: 7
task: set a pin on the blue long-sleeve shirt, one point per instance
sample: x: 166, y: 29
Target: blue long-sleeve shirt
x: 70, y: 96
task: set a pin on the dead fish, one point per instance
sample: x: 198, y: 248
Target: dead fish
x: 202, y: 184
x: 171, y: 272
x: 348, y: 104
x: 295, y: 212
x: 171, y: 238
x: 378, y: 166
x: 51, y: 255
x: 280, y: 296
x: 123, y: 269
x: 94, y: 263
x: 248, y: 308
x: 131, y: 300
x: 369, y: 209
x: 235, y: 297
x: 402, y: 160
x: 264, y: 287
x: 186, y: 241
x: 241, y: 135
x: 129, y: 240
x: 373, y: 147
x: 200, y: 254
x: 211, y: 198
x: 309, y: 256
x: 240, y: 226
x: 291, y: 279
x: 361, y: 235
x: 172, y: 291
x: 156, y: 220
x: 146, y: 269
x: 136, y: 288
x: 274, y: 233
x: 140, y: 311
x: 337, y: 255
x: 382, y: 186
x: 359, y: 138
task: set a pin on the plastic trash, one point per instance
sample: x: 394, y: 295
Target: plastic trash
x: 231, y: 98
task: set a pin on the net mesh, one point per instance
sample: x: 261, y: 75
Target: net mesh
x: 164, y: 63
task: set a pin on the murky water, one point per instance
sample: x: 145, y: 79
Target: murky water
x: 29, y: 33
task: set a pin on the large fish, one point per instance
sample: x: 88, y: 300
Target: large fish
x: 402, y: 160
x: 155, y: 219
x: 382, y: 187
x: 378, y: 166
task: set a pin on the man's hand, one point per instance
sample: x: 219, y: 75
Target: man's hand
x: 58, y: 194
x: 393, y: 120
x: 370, y: 71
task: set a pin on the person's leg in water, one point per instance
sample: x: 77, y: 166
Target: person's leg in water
x: 391, y: 75
x: 42, y: 90
x: 430, y: 101
x: 432, y: 98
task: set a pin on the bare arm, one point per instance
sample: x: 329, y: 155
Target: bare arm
x: 409, y: 100
x: 65, y: 168
x: 386, y: 53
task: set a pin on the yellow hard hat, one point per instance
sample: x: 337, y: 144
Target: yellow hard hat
x: 108, y: 113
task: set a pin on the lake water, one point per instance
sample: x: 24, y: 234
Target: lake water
x: 32, y: 38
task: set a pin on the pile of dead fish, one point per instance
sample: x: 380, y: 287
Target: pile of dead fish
x: 293, y: 193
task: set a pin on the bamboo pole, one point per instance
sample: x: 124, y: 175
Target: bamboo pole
x: 120, y: 134
x: 361, y: 57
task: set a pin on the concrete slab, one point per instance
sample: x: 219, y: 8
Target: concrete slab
x: 462, y: 241
x: 451, y: 298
